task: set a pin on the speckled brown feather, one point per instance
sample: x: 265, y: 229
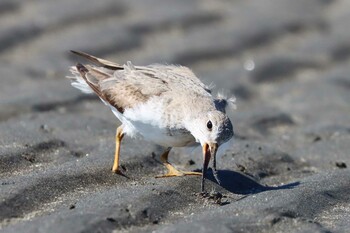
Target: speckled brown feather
x: 96, y: 76
x: 120, y: 92
x: 99, y: 61
x: 128, y: 86
x: 83, y: 72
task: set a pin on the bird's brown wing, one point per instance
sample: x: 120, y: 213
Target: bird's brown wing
x: 124, y: 88
x: 99, y: 61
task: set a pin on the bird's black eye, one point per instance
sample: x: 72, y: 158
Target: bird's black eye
x: 209, y: 125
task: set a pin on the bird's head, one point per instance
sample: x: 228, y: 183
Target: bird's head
x: 211, y: 129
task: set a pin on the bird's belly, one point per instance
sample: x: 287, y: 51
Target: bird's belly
x: 164, y: 136
x: 147, y: 120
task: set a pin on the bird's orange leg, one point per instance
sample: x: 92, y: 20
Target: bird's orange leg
x: 172, y: 171
x: 118, y: 140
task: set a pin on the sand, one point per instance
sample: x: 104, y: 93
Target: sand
x: 286, y: 170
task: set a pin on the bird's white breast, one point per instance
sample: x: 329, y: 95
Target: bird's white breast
x: 147, y: 120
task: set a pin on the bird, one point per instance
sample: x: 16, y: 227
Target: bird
x: 164, y: 104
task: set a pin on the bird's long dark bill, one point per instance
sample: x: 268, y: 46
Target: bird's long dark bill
x: 208, y: 151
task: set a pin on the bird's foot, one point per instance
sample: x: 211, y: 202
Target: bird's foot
x: 118, y: 172
x: 172, y: 171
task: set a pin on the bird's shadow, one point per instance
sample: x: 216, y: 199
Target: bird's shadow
x: 239, y: 183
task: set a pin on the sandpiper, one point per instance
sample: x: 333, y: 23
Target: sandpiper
x: 165, y: 104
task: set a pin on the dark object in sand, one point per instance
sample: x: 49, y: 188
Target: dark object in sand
x: 341, y: 165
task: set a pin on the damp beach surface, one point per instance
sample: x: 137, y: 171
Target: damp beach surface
x: 286, y: 169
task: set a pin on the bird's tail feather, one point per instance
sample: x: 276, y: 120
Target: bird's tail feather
x: 78, y: 81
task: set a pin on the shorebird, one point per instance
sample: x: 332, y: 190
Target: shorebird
x: 165, y: 104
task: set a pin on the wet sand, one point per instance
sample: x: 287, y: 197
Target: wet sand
x: 286, y: 170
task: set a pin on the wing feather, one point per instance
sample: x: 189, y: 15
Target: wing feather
x: 99, y: 61
x: 128, y: 85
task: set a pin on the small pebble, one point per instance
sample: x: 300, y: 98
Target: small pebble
x: 111, y: 219
x: 341, y: 165
x: 191, y: 162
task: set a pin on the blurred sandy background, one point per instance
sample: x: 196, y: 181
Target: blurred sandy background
x: 287, y: 62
